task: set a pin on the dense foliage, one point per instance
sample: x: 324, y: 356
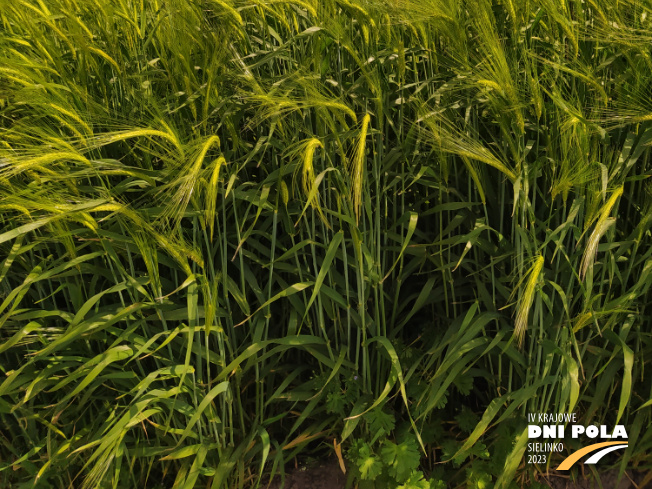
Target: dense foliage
x: 236, y: 232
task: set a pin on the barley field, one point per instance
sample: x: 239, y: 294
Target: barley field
x: 235, y: 234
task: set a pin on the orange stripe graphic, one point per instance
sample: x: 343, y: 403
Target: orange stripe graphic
x: 574, y: 457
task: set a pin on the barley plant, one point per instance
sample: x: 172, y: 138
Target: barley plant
x: 237, y: 233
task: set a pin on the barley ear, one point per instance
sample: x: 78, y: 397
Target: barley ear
x: 604, y: 223
x: 211, y: 194
x: 356, y: 167
x: 525, y: 302
x: 308, y: 172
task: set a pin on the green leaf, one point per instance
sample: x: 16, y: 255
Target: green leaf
x: 415, y: 481
x: 401, y: 459
x: 369, y: 465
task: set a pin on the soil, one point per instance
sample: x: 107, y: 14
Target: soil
x: 608, y: 480
x: 328, y: 475
x: 324, y: 475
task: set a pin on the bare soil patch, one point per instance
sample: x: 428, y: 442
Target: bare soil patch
x: 326, y: 474
x: 607, y: 480
x: 322, y: 475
